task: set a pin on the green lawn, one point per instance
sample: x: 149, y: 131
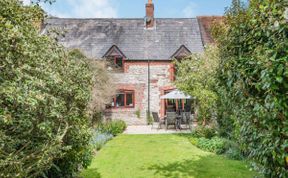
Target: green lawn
x: 161, y: 156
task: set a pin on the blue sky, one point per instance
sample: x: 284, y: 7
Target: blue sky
x: 134, y: 8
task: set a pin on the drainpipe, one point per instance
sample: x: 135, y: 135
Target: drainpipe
x: 148, y: 88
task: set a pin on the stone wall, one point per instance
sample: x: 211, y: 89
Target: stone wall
x: 135, y: 77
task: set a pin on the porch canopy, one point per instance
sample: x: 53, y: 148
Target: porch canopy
x: 176, y: 94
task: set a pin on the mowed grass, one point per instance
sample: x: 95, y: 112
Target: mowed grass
x: 159, y: 156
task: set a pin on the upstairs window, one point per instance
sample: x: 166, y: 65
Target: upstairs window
x: 115, y: 63
x: 118, y: 62
x: 115, y: 59
x: 123, y: 99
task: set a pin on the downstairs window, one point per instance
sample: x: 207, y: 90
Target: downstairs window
x: 123, y: 99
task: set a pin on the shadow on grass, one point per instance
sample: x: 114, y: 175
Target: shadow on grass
x: 186, y: 168
x: 202, y: 167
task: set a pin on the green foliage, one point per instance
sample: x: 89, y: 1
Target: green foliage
x: 204, y: 131
x: 96, y: 118
x: 44, y: 94
x: 226, y: 115
x: 216, y: 144
x: 253, y: 74
x: 233, y: 150
x: 206, y: 138
x: 113, y: 127
x: 234, y: 153
x: 138, y: 113
x: 149, y: 118
x: 196, y: 75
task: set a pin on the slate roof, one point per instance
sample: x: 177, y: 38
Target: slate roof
x: 96, y: 36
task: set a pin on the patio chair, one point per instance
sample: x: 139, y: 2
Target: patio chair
x: 156, y: 119
x: 183, y: 118
x: 170, y: 119
x: 186, y: 119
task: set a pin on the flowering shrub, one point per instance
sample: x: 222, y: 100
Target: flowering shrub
x: 99, y: 139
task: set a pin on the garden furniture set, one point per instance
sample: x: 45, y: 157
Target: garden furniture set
x: 173, y: 118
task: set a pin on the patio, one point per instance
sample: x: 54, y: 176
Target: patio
x: 177, y: 112
x: 147, y: 129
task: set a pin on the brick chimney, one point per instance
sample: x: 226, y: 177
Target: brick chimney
x: 149, y: 19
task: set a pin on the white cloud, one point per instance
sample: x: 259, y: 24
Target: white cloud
x: 190, y: 10
x: 85, y: 9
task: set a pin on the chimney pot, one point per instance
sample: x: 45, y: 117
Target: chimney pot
x: 150, y: 15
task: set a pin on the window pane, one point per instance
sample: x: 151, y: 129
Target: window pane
x: 129, y: 99
x: 119, y: 62
x: 120, y: 100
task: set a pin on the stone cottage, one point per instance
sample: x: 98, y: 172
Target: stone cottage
x: 140, y: 54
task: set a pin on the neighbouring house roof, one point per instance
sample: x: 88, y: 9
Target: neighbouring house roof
x: 206, y: 23
x: 95, y: 37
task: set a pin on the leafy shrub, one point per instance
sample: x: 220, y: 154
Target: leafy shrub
x: 149, y: 118
x: 194, y: 140
x: 219, y: 146
x: 44, y: 94
x: 113, y: 127
x: 233, y: 150
x: 253, y: 72
x: 99, y: 139
x: 138, y: 113
x: 234, y: 153
x: 196, y: 75
x: 216, y: 145
x: 204, y: 131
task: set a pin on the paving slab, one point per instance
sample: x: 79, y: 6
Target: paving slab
x: 146, y: 129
